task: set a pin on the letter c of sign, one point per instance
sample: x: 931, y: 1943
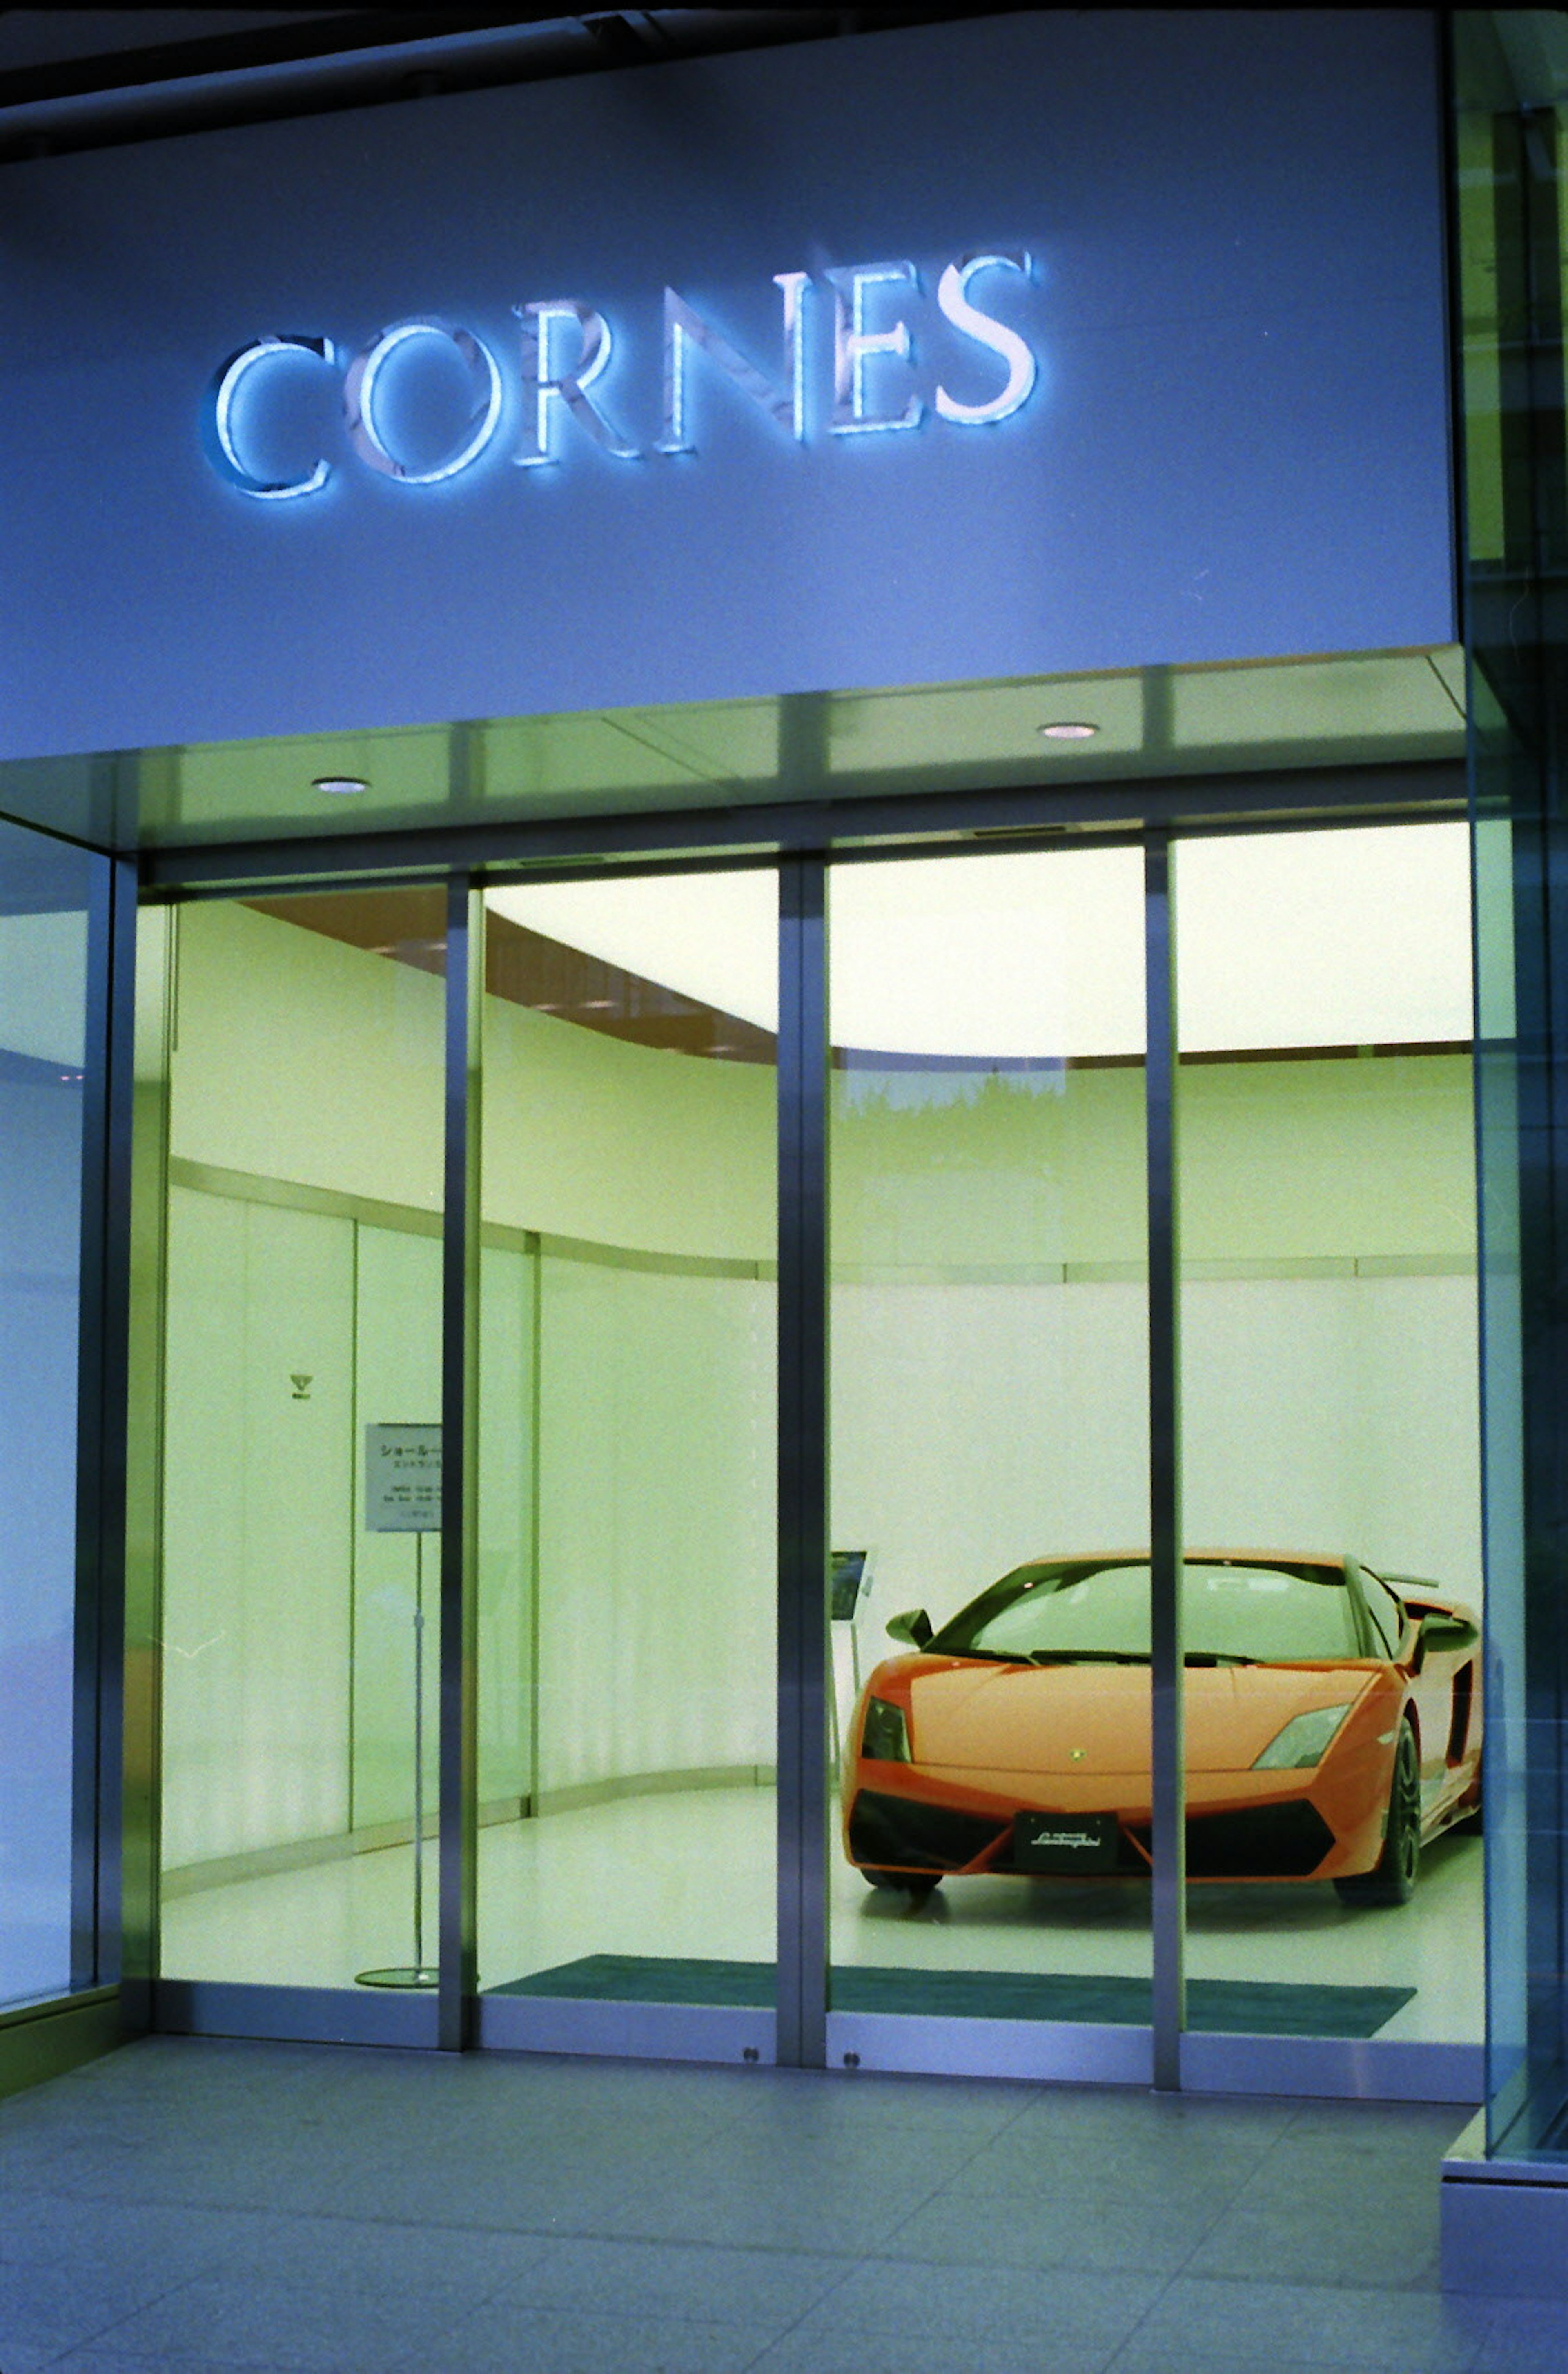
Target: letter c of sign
x: 217, y: 425
x: 362, y: 390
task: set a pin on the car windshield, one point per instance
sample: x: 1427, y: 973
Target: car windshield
x: 1232, y: 1613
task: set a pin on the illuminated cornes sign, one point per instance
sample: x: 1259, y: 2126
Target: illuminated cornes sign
x: 561, y: 358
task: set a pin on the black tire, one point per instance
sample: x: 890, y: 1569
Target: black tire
x: 902, y: 1882
x: 1393, y: 1878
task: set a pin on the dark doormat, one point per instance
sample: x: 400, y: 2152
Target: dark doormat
x: 1215, y: 2006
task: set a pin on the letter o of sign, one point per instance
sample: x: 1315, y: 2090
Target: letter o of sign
x: 363, y: 390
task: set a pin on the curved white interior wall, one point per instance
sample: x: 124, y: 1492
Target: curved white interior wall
x: 634, y: 1408
x: 990, y: 1278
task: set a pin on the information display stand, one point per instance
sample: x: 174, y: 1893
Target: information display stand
x: 849, y: 1588
x: 403, y: 1495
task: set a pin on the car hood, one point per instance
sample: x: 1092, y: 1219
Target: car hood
x: 967, y: 1716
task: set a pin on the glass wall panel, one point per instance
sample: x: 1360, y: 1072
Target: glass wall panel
x: 627, y: 1459
x: 302, y: 1401
x: 45, y: 1052
x: 1510, y: 146
x: 1330, y: 1431
x: 989, y: 1596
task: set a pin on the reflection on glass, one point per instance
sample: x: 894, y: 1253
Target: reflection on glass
x: 626, y: 1657
x: 45, y: 892
x: 991, y: 1738
x: 1329, y: 1420
x: 303, y: 1296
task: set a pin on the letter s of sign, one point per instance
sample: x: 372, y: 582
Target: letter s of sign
x: 218, y: 434
x: 952, y: 296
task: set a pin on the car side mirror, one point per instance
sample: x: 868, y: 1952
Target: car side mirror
x: 1446, y: 1634
x: 913, y: 1627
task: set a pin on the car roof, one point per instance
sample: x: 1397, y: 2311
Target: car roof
x: 1210, y: 1557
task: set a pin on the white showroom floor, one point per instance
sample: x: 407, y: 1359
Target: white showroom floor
x: 691, y: 1873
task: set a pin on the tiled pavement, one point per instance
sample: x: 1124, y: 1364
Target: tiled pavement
x: 198, y: 2205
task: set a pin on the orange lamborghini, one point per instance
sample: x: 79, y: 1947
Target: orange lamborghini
x: 1333, y: 1726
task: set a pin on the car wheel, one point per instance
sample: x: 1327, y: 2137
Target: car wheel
x: 902, y: 1882
x: 1392, y: 1879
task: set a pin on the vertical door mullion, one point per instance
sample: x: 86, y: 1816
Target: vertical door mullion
x: 113, y: 1163
x: 459, y: 1516
x: 96, y: 1435
x: 803, y: 1463
x: 1169, y: 1839
x: 138, y: 1779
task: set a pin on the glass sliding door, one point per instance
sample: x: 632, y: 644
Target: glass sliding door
x: 50, y: 1062
x: 989, y: 1598
x: 1330, y: 1483
x: 302, y: 1401
x: 627, y: 1636
x: 988, y: 1622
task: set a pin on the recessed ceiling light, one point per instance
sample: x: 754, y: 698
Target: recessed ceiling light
x: 344, y: 785
x: 1068, y: 729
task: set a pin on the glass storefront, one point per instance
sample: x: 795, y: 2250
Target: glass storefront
x: 989, y: 1631
x: 604, y: 1735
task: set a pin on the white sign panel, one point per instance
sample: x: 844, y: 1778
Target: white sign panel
x: 959, y: 352
x: 403, y: 1479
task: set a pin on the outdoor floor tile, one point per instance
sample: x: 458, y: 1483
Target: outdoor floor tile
x: 1131, y: 2111
x: 335, y: 2323
x: 1524, y: 2337
x: 196, y: 2208
x: 1061, y: 2229
x: 43, y: 2230
x: 55, y: 2306
x: 509, y: 2339
x: 1396, y: 2333
x: 115, y: 2361
x: 856, y: 2168
x: 429, y: 2260
x: 1324, y: 2238
x: 1379, y: 2126
x: 24, y: 2357
x: 1352, y: 2160
x: 207, y: 2174
x: 970, y: 2308
x: 673, y: 2280
x: 1138, y: 2357
x: 447, y: 2186
x: 782, y: 2214
x: 903, y: 2352
x: 811, y: 2099
x: 1097, y: 2161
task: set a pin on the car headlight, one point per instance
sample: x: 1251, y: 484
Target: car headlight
x: 885, y: 1732
x: 1303, y: 1741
